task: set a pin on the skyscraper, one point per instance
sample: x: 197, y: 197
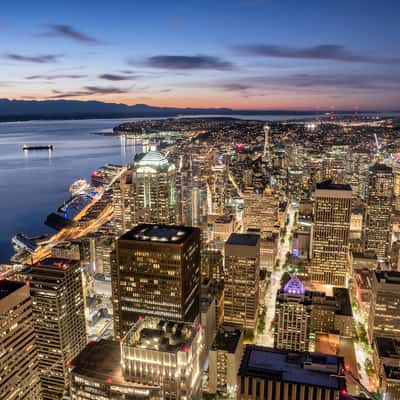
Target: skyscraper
x: 19, y: 371
x: 330, y: 234
x: 272, y: 374
x: 154, y: 190
x: 156, y: 272
x: 241, y: 279
x: 299, y: 313
x: 292, y: 315
x: 379, y: 210
x: 384, y: 312
x: 122, y: 202
x: 165, y: 355
x: 260, y: 212
x: 59, y: 321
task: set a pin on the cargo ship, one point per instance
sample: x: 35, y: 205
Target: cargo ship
x: 41, y: 147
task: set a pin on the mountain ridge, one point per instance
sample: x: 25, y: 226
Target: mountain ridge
x: 21, y: 110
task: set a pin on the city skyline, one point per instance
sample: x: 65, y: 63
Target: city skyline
x: 200, y: 200
x: 247, y: 54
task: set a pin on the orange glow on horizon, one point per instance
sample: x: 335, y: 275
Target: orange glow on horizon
x: 278, y: 102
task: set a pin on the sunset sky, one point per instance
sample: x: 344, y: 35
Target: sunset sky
x: 244, y: 54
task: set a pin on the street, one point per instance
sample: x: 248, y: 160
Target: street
x: 267, y: 338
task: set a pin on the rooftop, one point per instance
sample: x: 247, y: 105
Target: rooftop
x: 342, y: 297
x: 101, y: 361
x: 294, y: 286
x: 243, y: 239
x: 392, y: 372
x: 381, y: 168
x: 313, y: 369
x: 7, y: 287
x: 159, y: 233
x: 329, y: 185
x: 387, y: 348
x: 56, y: 263
x: 157, y: 334
x: 227, y: 339
x: 392, y: 277
x: 154, y: 161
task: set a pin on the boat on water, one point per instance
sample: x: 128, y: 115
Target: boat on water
x: 40, y: 147
x: 78, y: 187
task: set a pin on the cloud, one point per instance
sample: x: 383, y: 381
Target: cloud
x: 235, y: 86
x: 311, y: 81
x: 39, y: 59
x: 332, y: 52
x: 116, y: 77
x: 55, y: 77
x: 88, y: 91
x: 68, y: 32
x: 165, y: 90
x: 198, y: 62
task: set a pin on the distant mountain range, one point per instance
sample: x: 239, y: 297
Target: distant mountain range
x: 22, y: 110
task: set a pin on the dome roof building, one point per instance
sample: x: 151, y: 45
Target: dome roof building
x: 153, y: 162
x: 154, y: 190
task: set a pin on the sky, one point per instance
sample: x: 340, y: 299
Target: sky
x: 242, y: 54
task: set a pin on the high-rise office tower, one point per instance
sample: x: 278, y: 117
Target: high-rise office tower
x: 192, y: 194
x: 96, y: 374
x: 384, y: 312
x: 212, y: 263
x: 59, y: 321
x: 396, y: 180
x: 241, y: 279
x: 154, y: 190
x: 300, y: 313
x: 164, y: 355
x: 260, y: 212
x: 379, y: 210
x: 224, y: 360
x: 156, y: 272
x: 294, y: 183
x: 294, y: 155
x: 217, y: 188
x: 122, y: 202
x: 272, y: 374
x: 333, y: 168
x: 292, y: 315
x: 357, y: 165
x: 330, y: 234
x: 19, y: 371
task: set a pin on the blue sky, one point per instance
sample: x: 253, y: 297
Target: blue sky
x: 265, y: 54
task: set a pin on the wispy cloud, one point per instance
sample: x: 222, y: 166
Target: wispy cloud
x: 88, y: 91
x: 117, y: 77
x: 68, y: 32
x: 178, y: 62
x: 38, y: 59
x: 311, y: 81
x: 332, y: 52
x: 55, y: 77
x: 235, y: 86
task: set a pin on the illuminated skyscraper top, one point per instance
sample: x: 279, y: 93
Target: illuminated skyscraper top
x: 154, y: 190
x: 294, y: 286
x: 153, y: 162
